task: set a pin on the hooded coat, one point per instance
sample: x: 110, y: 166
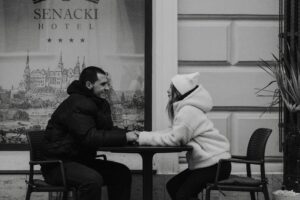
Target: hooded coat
x: 192, y: 127
x: 80, y: 125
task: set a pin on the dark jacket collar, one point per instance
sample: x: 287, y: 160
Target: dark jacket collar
x: 77, y: 88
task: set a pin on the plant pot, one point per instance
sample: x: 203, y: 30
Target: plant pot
x: 285, y: 195
x: 292, y: 159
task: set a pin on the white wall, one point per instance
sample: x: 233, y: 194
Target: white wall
x: 224, y: 40
x: 164, y: 67
x: 258, y: 7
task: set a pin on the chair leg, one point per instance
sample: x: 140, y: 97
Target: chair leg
x: 65, y: 195
x: 266, y: 193
x: 28, y: 193
x: 252, y: 194
x: 202, y: 195
x: 207, y: 194
x: 74, y: 194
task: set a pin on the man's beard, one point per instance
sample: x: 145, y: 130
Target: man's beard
x: 102, y: 95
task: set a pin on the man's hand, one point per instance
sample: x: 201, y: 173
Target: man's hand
x: 132, y: 136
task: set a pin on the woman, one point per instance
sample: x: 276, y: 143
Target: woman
x: 187, y: 107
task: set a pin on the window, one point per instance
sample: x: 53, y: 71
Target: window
x: 44, y: 45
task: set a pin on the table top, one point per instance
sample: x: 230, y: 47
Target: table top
x: 150, y: 149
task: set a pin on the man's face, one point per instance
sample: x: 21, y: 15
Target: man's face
x: 100, y: 87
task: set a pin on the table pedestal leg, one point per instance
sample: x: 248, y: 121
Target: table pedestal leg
x: 147, y: 175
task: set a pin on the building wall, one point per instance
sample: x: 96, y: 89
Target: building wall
x: 225, y: 41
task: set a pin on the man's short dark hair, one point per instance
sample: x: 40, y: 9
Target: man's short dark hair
x: 90, y: 74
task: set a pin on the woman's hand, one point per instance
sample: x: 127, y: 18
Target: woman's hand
x: 132, y: 136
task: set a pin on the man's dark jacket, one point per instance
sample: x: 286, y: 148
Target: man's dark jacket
x: 80, y: 125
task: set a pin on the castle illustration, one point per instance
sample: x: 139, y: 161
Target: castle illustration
x: 38, y: 84
x: 58, y: 78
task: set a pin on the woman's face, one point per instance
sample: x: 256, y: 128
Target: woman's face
x: 169, y: 92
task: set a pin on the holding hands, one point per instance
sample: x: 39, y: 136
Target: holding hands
x: 132, y: 136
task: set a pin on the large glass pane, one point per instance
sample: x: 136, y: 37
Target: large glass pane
x: 45, y: 44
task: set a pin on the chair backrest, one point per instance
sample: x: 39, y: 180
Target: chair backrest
x: 257, y: 144
x: 35, y: 140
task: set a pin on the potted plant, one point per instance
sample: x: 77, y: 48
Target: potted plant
x: 286, y: 75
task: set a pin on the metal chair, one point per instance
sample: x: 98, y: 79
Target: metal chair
x: 35, y: 139
x: 256, y: 156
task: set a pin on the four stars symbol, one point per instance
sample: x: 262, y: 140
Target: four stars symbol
x: 71, y: 40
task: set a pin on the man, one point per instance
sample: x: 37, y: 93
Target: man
x: 80, y: 125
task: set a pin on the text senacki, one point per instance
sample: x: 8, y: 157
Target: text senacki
x: 65, y: 13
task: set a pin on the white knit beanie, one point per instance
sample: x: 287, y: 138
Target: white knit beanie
x: 185, y: 82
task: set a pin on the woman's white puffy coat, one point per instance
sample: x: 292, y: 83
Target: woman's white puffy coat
x: 192, y: 127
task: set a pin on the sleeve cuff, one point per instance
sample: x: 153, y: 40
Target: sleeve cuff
x: 144, y: 137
